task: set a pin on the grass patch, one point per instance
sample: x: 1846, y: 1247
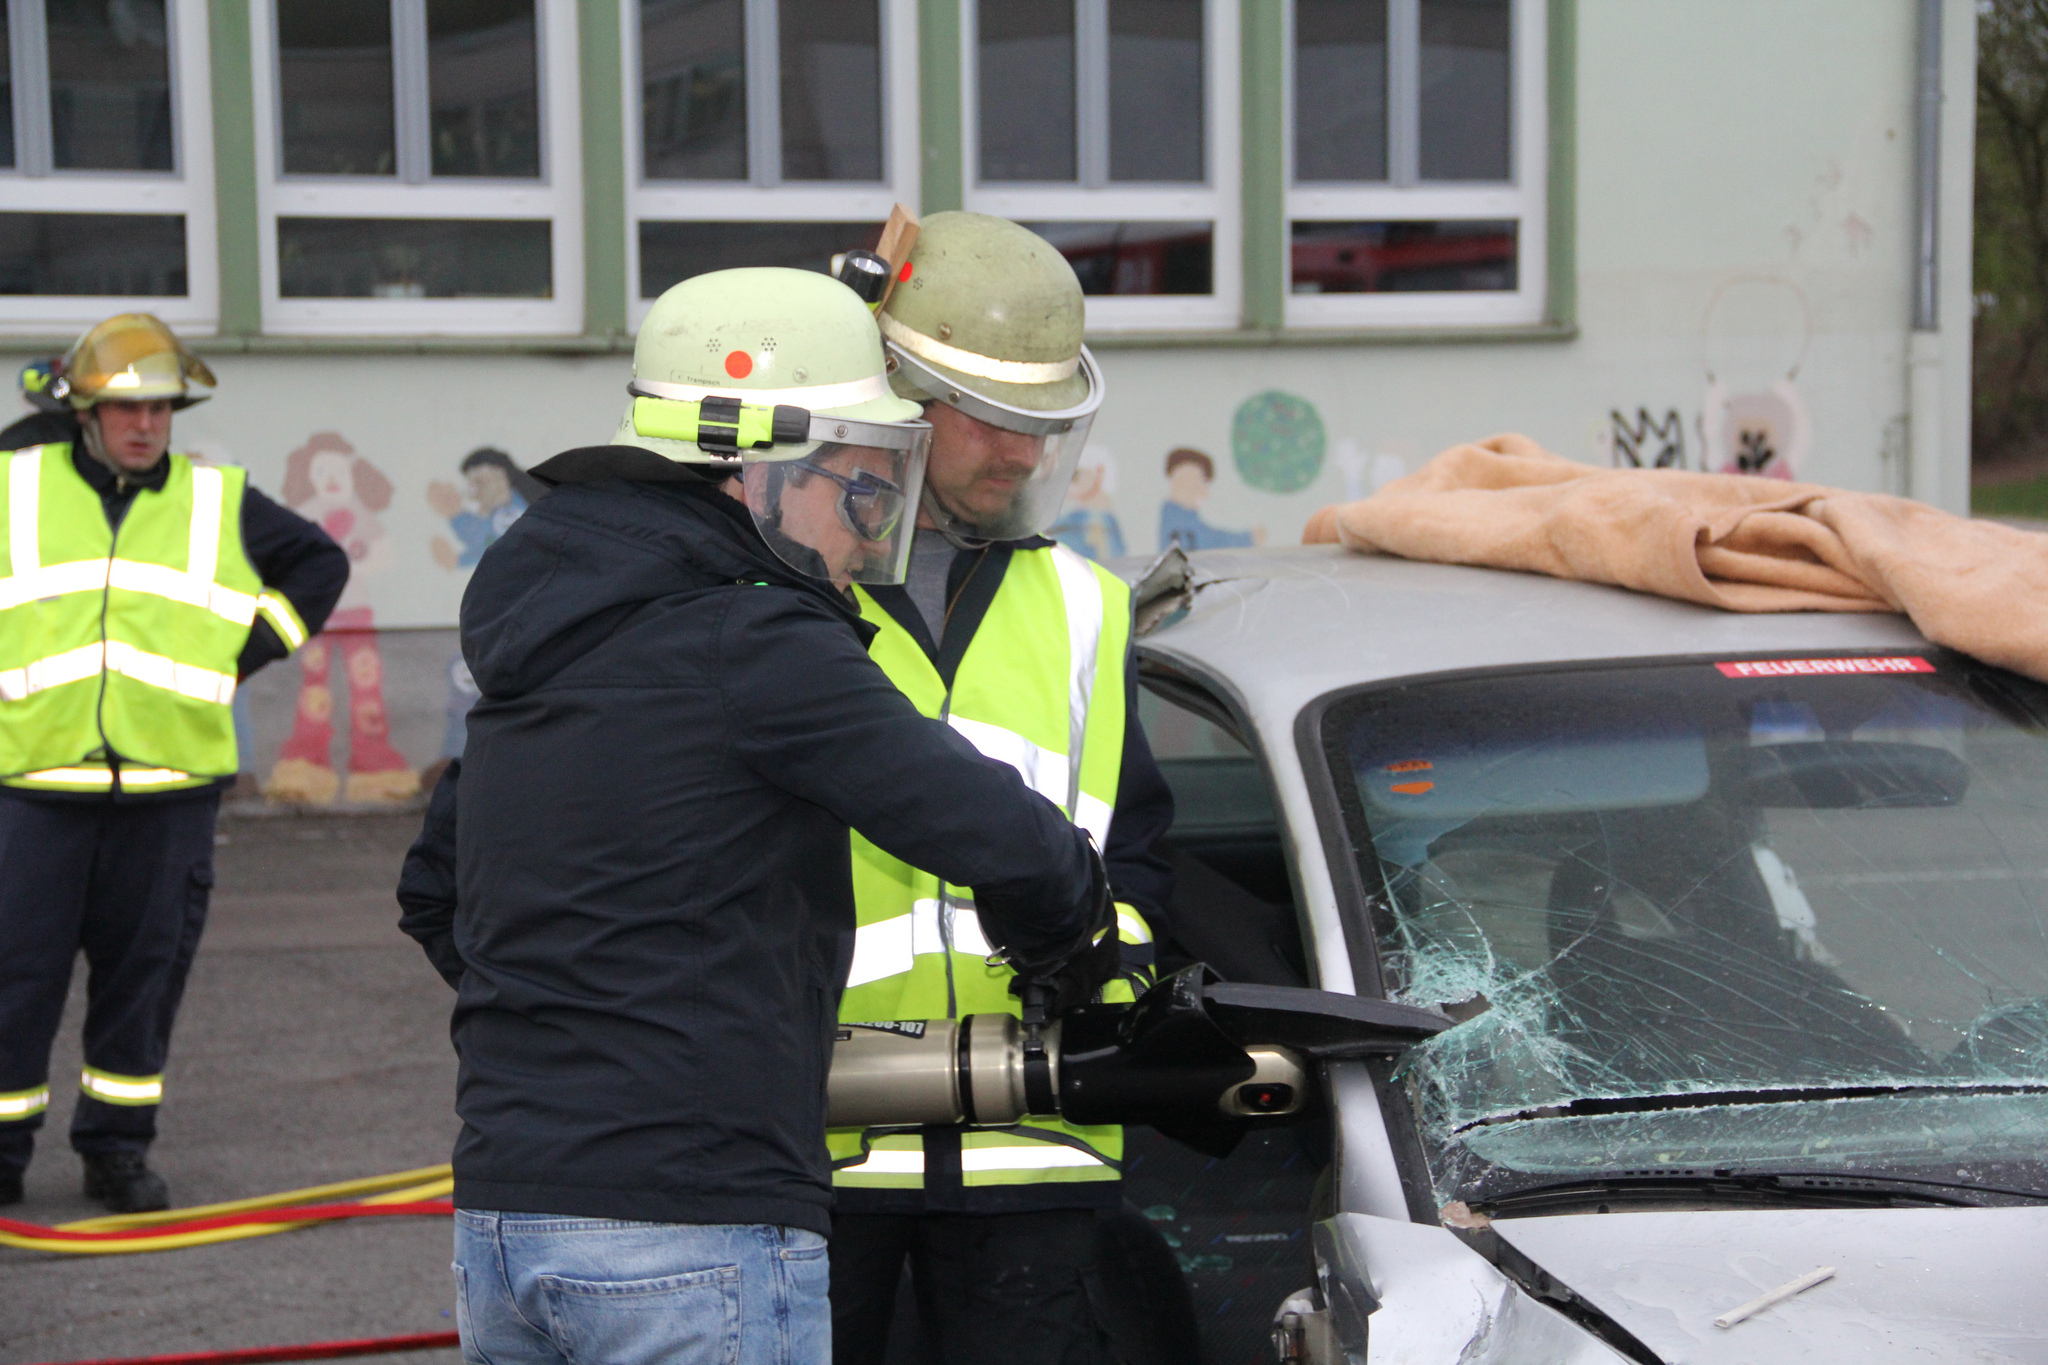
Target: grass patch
x: 2029, y: 499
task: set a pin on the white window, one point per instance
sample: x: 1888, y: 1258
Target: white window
x: 1416, y: 150
x: 1110, y: 127
x: 764, y: 132
x: 106, y: 164
x: 419, y: 166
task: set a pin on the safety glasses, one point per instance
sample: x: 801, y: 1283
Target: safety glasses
x: 870, y: 506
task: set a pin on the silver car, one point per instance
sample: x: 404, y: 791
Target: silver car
x: 1744, y: 922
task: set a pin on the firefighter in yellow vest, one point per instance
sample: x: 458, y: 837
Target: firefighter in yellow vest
x: 1022, y: 646
x: 137, y: 589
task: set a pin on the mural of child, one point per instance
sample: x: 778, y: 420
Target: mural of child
x: 1189, y: 475
x: 1087, y: 523
x: 496, y: 492
x: 325, y: 481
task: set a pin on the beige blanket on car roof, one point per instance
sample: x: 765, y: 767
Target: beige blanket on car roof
x: 1743, y: 544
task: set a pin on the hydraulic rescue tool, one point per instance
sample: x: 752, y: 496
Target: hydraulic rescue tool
x: 1200, y: 1059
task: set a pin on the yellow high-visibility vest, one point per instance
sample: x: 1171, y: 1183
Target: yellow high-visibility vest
x: 123, y: 643
x: 1041, y: 687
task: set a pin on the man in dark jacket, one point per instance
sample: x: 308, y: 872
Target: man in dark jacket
x: 140, y: 588
x: 638, y: 876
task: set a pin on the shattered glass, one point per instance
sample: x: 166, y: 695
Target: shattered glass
x: 1697, y: 920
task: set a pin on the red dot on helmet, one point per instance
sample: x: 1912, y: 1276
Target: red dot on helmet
x: 904, y: 273
x: 738, y: 364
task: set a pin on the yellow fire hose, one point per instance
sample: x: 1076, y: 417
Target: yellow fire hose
x: 423, y: 1192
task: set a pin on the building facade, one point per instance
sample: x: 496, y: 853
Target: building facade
x: 1322, y: 239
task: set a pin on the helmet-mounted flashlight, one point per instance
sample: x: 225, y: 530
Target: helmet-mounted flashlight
x: 720, y: 424
x: 866, y: 273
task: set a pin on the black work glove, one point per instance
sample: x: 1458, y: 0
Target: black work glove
x: 1073, y: 975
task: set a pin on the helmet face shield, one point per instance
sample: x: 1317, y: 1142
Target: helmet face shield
x: 1003, y: 470
x: 845, y: 508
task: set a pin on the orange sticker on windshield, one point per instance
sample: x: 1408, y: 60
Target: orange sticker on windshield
x: 1786, y: 668
x: 1412, y: 788
x: 1411, y: 765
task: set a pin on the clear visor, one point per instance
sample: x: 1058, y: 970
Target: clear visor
x: 843, y: 511
x: 1006, y: 470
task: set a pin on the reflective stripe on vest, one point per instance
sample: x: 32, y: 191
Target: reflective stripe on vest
x: 26, y: 1104
x: 126, y: 639
x: 17, y: 684
x: 1041, y: 689
x: 104, y: 777
x: 114, y: 1088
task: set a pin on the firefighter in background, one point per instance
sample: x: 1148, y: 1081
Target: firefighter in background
x: 138, y: 590
x: 50, y: 418
x: 1022, y: 646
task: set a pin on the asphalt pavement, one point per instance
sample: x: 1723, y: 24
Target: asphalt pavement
x: 312, y: 1047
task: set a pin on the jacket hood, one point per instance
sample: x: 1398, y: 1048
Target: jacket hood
x: 619, y: 532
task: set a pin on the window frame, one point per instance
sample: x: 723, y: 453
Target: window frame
x: 1524, y: 197
x: 186, y: 190
x: 764, y: 196
x: 556, y: 195
x: 1217, y: 201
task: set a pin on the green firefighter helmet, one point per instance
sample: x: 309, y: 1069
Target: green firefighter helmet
x: 777, y: 378
x: 987, y: 318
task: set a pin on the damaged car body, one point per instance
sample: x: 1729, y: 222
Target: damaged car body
x: 1741, y: 927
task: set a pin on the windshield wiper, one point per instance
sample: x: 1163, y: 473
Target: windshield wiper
x: 1716, y: 1099
x: 1760, y: 1188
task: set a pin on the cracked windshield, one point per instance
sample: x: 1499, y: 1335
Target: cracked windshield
x: 1716, y: 917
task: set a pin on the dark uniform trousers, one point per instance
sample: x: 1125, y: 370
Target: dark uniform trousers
x: 1009, y: 1289
x: 127, y: 883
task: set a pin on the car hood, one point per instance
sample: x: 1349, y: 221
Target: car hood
x: 1909, y: 1284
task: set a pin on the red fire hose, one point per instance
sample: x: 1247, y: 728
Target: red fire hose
x: 316, y: 1350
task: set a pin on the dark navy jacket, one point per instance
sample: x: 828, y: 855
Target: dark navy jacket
x: 652, y: 889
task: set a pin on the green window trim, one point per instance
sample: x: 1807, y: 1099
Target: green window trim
x: 237, y: 225
x: 600, y: 75
x: 941, y: 173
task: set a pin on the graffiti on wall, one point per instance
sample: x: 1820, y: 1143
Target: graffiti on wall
x: 1647, y: 442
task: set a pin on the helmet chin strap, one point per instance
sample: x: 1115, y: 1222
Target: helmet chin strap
x: 953, y: 528
x: 89, y: 428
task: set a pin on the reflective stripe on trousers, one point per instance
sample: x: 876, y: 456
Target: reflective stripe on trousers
x: 24, y: 1104
x: 116, y: 1089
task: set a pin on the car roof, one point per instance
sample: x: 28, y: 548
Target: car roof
x: 1284, y: 626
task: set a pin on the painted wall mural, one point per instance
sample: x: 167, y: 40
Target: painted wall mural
x: 1277, y: 440
x: 1753, y: 418
x: 1087, y: 524
x: 495, y: 492
x: 1190, y: 476
x: 329, y: 484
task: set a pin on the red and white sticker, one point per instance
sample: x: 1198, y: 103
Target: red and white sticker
x: 1787, y: 668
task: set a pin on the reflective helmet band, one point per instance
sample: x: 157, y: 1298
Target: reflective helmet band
x: 971, y: 362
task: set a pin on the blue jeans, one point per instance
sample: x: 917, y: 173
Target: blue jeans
x: 544, y: 1289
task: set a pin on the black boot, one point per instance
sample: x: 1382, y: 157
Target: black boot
x: 10, y: 1188
x: 124, y: 1183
